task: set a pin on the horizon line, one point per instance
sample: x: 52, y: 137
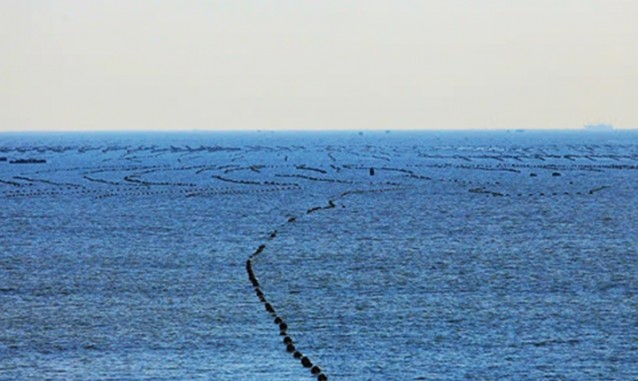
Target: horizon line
x: 259, y: 130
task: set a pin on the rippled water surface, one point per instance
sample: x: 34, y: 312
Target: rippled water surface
x: 389, y: 256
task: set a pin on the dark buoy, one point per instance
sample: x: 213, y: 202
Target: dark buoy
x: 287, y: 340
x: 259, y: 250
x: 278, y: 320
x: 290, y: 348
x: 269, y: 308
x: 305, y: 361
x: 315, y: 370
x: 322, y: 377
x: 283, y: 326
x: 297, y: 355
x: 371, y: 171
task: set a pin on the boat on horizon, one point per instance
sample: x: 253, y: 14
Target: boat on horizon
x: 599, y: 127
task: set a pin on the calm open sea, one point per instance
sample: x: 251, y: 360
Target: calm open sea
x: 387, y: 256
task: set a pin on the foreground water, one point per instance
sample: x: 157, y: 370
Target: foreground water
x: 390, y: 256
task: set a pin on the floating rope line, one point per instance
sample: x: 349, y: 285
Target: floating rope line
x: 283, y: 326
x: 287, y: 341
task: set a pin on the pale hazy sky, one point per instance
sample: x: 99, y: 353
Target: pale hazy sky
x: 324, y: 64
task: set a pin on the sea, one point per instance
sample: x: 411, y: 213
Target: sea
x: 353, y: 255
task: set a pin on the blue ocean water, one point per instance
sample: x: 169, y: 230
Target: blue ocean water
x: 389, y: 256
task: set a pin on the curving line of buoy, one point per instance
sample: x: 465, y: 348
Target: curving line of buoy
x: 278, y: 320
x: 287, y: 341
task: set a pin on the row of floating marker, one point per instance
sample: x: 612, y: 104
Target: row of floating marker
x: 283, y: 327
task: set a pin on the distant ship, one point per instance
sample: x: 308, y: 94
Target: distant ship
x: 599, y: 127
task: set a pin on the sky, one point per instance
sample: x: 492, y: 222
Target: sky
x: 69, y: 65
